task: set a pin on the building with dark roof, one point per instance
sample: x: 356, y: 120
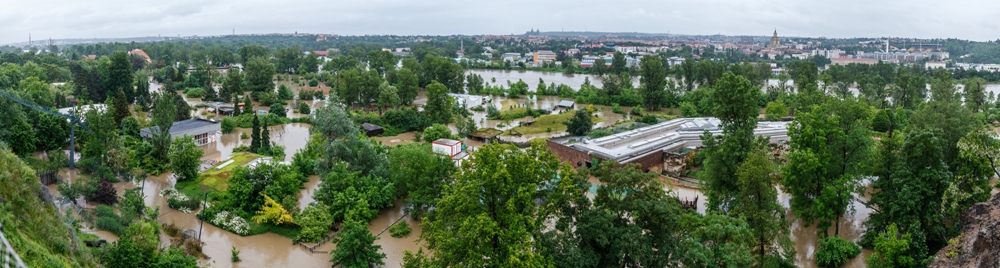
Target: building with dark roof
x: 203, y: 131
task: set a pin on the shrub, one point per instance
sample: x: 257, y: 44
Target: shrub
x: 180, y: 201
x: 231, y: 222
x: 637, y: 110
x: 105, y: 193
x: 775, y: 110
x: 243, y: 135
x: 194, y: 92
x: 304, y: 108
x: 306, y: 94
x: 228, y: 125
x: 400, y: 230
x: 437, y: 131
x: 284, y: 93
x: 278, y: 109
x: 236, y: 255
x: 315, y: 221
x: 689, y: 110
x: 319, y: 95
x: 615, y: 108
x: 835, y: 251
x: 109, y: 224
x: 313, y: 82
x: 649, y: 119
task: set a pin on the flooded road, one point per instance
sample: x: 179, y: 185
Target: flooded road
x: 531, y: 78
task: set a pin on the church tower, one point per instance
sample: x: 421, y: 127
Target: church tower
x: 775, y: 41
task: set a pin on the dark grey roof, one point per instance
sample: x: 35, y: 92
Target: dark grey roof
x: 182, y: 126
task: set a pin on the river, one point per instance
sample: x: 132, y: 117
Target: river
x: 575, y: 80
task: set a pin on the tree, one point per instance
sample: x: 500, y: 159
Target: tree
x: 315, y: 221
x: 387, y: 97
x: 633, y: 222
x: 163, y: 119
x: 437, y: 131
x: 488, y: 215
x: 247, y: 106
x: 653, y: 80
x: 354, y: 194
x: 117, y: 75
x: 757, y: 201
x: 183, y: 110
x: 287, y: 59
x: 304, y: 108
x: 775, y: 110
x: 284, y: 93
x: 259, y: 72
x: 272, y: 212
x: 600, y: 66
x: 356, y: 246
x: 910, y: 186
x: 580, y: 123
x: 736, y: 107
x: 618, y: 63
x: 265, y: 141
x: 829, y: 147
x: 142, y: 98
x: 333, y: 122
x: 277, y: 109
x: 381, y: 61
x: 185, y: 158
x: 120, y: 108
x: 438, y: 105
x: 253, y: 51
x: 255, y: 139
x: 419, y: 175
x: 407, y: 84
x: 890, y: 250
x: 310, y: 63
x: 233, y: 86
x: 975, y: 94
x: 715, y: 240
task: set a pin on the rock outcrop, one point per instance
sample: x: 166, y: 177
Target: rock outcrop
x: 979, y: 243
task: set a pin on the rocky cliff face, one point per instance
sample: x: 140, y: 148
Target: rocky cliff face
x: 979, y: 243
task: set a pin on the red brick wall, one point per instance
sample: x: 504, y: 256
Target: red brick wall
x: 567, y: 154
x: 651, y: 162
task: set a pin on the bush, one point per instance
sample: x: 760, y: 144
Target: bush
x: 437, y: 131
x: 228, y: 125
x: 194, y: 92
x: 243, y: 135
x: 278, y: 109
x: 637, y: 110
x: 835, y: 251
x: 649, y: 120
x: 689, y: 110
x: 615, y: 108
x: 600, y: 132
x: 315, y: 221
x: 775, y: 110
x: 400, y: 230
x: 284, y: 93
x: 246, y: 120
x: 319, y: 95
x: 306, y: 94
x: 304, y: 108
x: 313, y: 82
x: 180, y: 201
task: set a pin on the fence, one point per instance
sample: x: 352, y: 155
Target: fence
x: 8, y: 258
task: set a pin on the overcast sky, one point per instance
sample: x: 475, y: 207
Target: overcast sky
x: 57, y: 19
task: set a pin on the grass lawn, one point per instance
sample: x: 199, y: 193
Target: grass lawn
x: 215, y: 179
x: 697, y: 174
x: 507, y: 103
x: 553, y: 122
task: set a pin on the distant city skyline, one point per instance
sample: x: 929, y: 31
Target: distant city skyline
x: 64, y: 19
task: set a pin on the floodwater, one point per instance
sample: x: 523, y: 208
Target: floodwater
x: 575, y: 80
x: 391, y: 246
x: 531, y: 78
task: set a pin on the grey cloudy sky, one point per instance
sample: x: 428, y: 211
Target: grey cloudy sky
x: 976, y: 20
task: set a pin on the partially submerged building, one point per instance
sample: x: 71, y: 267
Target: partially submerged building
x: 203, y: 131
x: 450, y: 148
x: 649, y: 145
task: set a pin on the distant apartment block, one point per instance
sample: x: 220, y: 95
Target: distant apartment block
x: 543, y: 56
